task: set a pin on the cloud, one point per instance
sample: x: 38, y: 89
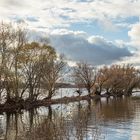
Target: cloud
x: 32, y: 19
x: 14, y: 3
x: 110, y: 15
x: 134, y: 35
x: 95, y: 49
x: 65, y: 12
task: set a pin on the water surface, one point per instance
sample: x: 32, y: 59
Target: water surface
x: 112, y: 119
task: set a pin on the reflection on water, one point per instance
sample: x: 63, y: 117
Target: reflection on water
x: 117, y: 119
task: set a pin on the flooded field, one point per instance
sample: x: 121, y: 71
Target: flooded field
x: 117, y: 119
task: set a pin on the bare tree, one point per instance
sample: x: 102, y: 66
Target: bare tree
x: 18, y: 44
x: 53, y: 71
x: 118, y: 80
x: 101, y: 79
x: 7, y: 38
x: 32, y: 60
x: 85, y: 75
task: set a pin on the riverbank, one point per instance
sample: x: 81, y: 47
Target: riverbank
x: 15, y: 105
x: 28, y: 104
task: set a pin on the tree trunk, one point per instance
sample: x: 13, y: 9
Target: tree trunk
x: 31, y: 93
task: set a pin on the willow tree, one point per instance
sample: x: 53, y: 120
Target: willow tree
x: 12, y: 38
x: 120, y: 79
x: 53, y: 70
x: 85, y: 75
x: 18, y: 44
x: 102, y: 78
x: 32, y: 57
x: 7, y: 39
x: 131, y: 79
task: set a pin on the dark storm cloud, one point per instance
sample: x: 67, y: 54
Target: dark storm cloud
x: 97, y: 51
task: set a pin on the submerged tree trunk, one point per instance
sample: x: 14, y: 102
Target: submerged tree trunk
x: 129, y: 92
x: 31, y: 93
x: 8, y: 92
x: 97, y: 92
x: 50, y: 93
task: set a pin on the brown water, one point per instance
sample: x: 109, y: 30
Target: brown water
x: 113, y: 119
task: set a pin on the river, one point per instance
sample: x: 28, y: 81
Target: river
x: 112, y: 119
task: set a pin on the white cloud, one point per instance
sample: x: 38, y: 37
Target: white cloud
x: 134, y: 34
x: 134, y: 44
x: 47, y: 16
x: 68, y: 32
x: 52, y: 13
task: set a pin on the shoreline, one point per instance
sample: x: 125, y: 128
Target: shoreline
x: 27, y: 105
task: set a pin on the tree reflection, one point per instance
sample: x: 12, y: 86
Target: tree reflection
x: 117, y: 108
x: 85, y: 121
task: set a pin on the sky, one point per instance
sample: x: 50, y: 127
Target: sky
x: 100, y: 32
